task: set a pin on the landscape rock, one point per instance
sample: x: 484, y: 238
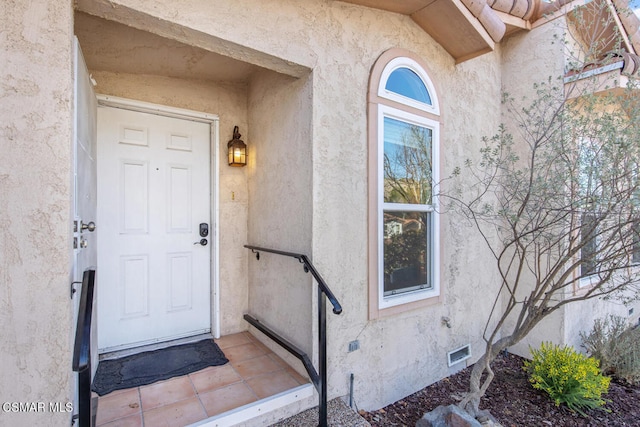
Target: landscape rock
x: 447, y: 416
x: 487, y: 420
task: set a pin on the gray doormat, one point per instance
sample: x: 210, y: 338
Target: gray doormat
x: 157, y: 365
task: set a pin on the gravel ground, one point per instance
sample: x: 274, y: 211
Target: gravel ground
x: 338, y: 415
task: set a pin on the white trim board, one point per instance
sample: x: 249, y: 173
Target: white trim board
x: 162, y: 110
x: 259, y: 408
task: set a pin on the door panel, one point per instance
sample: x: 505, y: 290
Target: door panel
x: 84, y: 190
x: 85, y: 167
x: 153, y: 193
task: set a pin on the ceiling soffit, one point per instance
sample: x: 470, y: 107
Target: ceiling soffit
x: 221, y: 49
x: 110, y: 46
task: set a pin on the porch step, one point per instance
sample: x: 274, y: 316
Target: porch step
x: 258, y: 410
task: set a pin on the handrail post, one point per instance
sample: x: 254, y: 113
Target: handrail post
x: 81, y: 361
x: 324, y: 293
x: 322, y: 356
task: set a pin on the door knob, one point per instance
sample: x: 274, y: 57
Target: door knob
x: 91, y: 226
x: 202, y: 242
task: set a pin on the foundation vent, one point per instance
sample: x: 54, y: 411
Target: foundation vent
x: 458, y: 355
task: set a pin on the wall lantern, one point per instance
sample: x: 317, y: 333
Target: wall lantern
x: 237, y: 150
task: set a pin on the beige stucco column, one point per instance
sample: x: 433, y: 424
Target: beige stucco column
x: 35, y: 212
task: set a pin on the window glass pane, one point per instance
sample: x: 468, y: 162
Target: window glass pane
x: 635, y: 255
x: 405, y: 82
x: 588, y: 231
x: 589, y: 170
x: 407, y: 162
x: 406, y: 253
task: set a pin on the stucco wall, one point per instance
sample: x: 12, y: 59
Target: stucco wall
x: 581, y: 317
x: 525, y: 63
x: 399, y: 354
x: 35, y: 209
x: 340, y: 43
x: 565, y: 325
x: 280, y: 203
x: 229, y: 102
x: 403, y: 353
x: 323, y: 197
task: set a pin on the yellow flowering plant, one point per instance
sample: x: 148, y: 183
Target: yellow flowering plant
x: 568, y: 377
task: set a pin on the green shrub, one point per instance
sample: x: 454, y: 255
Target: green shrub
x: 617, y: 346
x: 568, y: 377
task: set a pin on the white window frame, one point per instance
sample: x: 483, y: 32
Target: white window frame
x: 382, y: 206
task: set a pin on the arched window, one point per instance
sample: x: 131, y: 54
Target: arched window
x: 404, y: 81
x: 404, y: 131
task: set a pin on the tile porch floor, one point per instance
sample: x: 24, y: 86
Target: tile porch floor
x: 253, y: 373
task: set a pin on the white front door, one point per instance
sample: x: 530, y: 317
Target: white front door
x: 84, y: 202
x: 84, y: 171
x: 154, y: 203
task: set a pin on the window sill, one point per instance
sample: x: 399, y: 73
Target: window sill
x: 377, y: 312
x: 585, y: 282
x: 407, y: 297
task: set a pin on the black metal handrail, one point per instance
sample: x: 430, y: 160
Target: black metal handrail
x: 81, y: 362
x: 308, y: 268
x: 319, y: 378
x: 291, y: 348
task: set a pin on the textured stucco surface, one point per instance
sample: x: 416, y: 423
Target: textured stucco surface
x: 35, y: 208
x: 523, y: 66
x: 122, y: 49
x: 324, y: 195
x: 581, y: 317
x: 522, y: 52
x: 304, y: 190
x: 280, y: 203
